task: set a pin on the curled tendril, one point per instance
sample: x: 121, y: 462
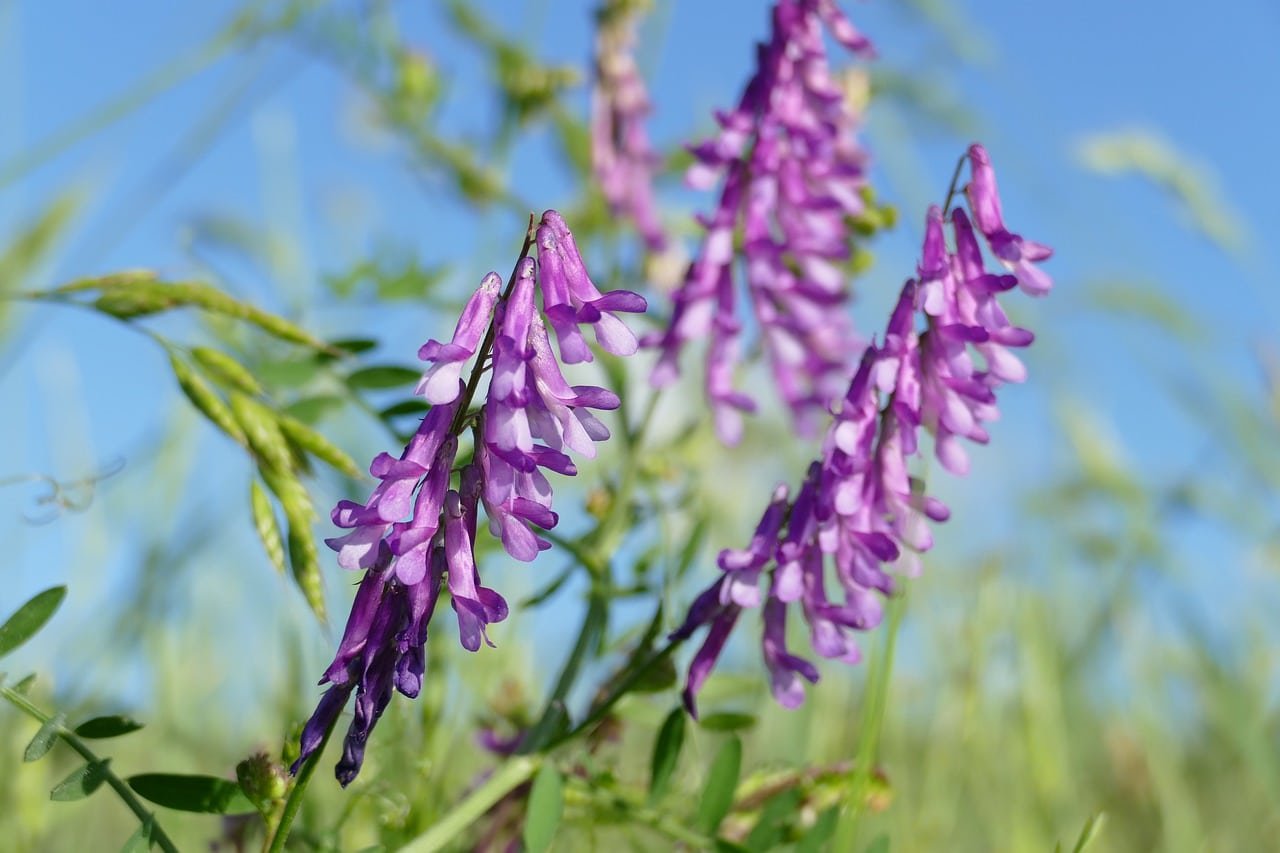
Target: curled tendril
x: 59, y: 496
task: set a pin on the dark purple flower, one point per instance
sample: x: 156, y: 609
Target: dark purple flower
x: 945, y: 352
x: 793, y: 177
x: 415, y: 535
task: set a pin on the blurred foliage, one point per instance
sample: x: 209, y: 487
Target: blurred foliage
x: 1060, y: 700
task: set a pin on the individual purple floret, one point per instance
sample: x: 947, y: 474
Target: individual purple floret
x: 415, y: 536
x: 622, y: 159
x: 946, y: 350
x: 793, y: 176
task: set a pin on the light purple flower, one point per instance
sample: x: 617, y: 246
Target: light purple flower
x: 622, y: 159
x: 416, y: 534
x: 945, y: 352
x: 793, y: 176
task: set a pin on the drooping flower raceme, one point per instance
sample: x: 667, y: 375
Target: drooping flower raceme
x: 947, y: 348
x: 622, y: 159
x: 793, y: 179
x: 415, y: 535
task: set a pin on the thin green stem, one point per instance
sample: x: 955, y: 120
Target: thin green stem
x: 872, y: 726
x: 293, y: 803
x: 158, y: 836
x: 593, y: 625
x: 955, y: 180
x: 504, y: 780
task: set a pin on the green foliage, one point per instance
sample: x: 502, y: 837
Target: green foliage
x: 114, y: 725
x: 30, y: 618
x: 546, y: 805
x: 186, y: 793
x: 81, y: 783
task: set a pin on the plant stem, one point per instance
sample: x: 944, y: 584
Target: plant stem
x: 873, y: 724
x: 275, y: 842
x: 158, y: 836
x: 593, y: 624
x: 504, y: 780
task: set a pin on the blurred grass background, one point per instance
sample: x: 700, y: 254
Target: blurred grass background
x: 1093, y: 634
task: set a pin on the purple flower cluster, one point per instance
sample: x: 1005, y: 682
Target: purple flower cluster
x: 792, y: 174
x: 859, y: 505
x: 621, y: 158
x: 415, y: 535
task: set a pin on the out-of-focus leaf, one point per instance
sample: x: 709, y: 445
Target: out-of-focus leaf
x: 1089, y: 832
x: 33, y: 244
x: 44, y: 738
x: 206, y: 400
x: 114, y: 725
x: 770, y: 828
x: 318, y: 446
x: 1147, y: 302
x: 415, y: 406
x: 264, y: 521
x: 206, y: 794
x: 879, y: 844
x: 82, y: 782
x: 310, y: 410
x: 225, y: 370
x: 348, y: 347
x: 817, y: 838
x: 140, y: 841
x: 1193, y: 187
x: 666, y: 752
x: 289, y: 372
x: 575, y: 141
x: 727, y: 722
x: 383, y: 376
x: 24, y: 686
x: 722, y: 779
x: 546, y: 805
x: 30, y: 618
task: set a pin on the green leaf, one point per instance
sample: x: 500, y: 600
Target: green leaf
x: 666, y: 752
x: 225, y: 370
x: 30, y: 618
x: 879, y: 844
x: 546, y: 805
x: 771, y: 826
x: 114, y: 725
x: 383, y: 376
x: 140, y: 841
x: 722, y: 779
x: 817, y: 838
x: 415, y: 406
x: 264, y: 521
x: 44, y: 739
x: 207, y: 794
x: 304, y: 559
x: 727, y: 722
x: 318, y: 446
x: 350, y: 346
x: 312, y: 409
x: 1092, y: 828
x: 24, y: 686
x: 288, y: 372
x: 81, y: 783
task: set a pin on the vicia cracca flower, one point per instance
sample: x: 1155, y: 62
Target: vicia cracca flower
x: 947, y: 348
x: 793, y: 182
x: 415, y: 536
x: 622, y: 159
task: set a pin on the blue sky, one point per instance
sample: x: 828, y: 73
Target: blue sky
x: 296, y: 159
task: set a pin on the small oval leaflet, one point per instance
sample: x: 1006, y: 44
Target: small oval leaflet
x: 81, y: 783
x: 112, y: 725
x: 30, y: 618
x: 207, y: 794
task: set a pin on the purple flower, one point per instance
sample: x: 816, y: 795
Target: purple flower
x: 946, y: 351
x: 621, y: 157
x: 793, y: 177
x: 415, y: 536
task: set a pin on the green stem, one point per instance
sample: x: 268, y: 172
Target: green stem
x: 955, y: 179
x: 504, y: 780
x: 158, y: 836
x: 873, y: 724
x: 275, y: 842
x: 593, y: 625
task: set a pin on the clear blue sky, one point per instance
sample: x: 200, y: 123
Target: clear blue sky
x: 296, y: 160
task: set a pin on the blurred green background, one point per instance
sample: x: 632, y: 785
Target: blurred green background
x: 1094, y: 631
